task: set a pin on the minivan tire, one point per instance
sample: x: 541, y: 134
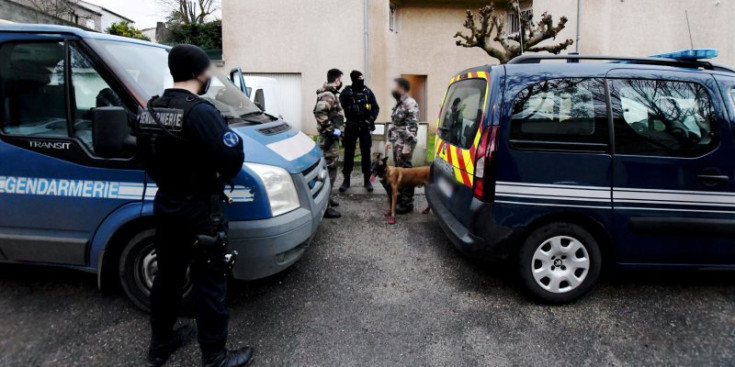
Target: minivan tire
x: 137, y: 269
x: 559, y: 263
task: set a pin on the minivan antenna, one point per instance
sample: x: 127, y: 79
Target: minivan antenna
x: 691, y: 40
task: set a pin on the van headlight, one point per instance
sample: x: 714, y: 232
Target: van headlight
x: 279, y: 186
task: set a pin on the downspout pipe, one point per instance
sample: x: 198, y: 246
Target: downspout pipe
x: 365, y: 39
x: 579, y: 23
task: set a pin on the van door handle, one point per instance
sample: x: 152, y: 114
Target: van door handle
x: 713, y: 179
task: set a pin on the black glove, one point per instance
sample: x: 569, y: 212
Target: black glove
x: 372, y: 125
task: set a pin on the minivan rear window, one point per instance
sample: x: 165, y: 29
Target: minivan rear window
x: 463, y: 109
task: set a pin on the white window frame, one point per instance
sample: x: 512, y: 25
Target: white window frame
x: 513, y: 23
x: 393, y: 18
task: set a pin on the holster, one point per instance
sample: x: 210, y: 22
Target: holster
x: 211, y: 247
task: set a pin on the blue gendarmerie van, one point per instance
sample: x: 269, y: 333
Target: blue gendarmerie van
x: 564, y: 163
x: 72, y: 191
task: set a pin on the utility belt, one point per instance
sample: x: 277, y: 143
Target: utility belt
x: 211, y: 248
x: 361, y: 124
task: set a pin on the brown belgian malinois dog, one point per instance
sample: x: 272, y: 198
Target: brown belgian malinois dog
x: 396, y: 178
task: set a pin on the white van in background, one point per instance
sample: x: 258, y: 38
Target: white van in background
x: 263, y: 91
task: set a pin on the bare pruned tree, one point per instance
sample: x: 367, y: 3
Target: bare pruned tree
x: 189, y: 11
x: 488, y: 31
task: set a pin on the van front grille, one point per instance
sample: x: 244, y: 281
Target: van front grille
x: 273, y: 130
x: 316, y: 177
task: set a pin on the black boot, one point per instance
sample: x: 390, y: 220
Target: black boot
x: 345, y: 184
x: 368, y: 184
x: 228, y: 358
x: 331, y: 214
x: 333, y: 203
x: 404, y: 208
x: 159, y: 352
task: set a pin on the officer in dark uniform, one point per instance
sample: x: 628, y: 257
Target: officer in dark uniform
x: 190, y: 153
x: 361, y: 110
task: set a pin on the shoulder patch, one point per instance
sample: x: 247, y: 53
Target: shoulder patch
x: 230, y: 139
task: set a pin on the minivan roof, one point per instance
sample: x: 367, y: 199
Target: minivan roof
x: 533, y: 63
x: 60, y: 29
x: 661, y: 60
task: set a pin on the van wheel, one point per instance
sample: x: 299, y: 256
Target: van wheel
x: 559, y: 263
x: 138, y: 269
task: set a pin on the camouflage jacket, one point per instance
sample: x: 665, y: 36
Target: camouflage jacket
x: 406, y: 114
x: 328, y: 111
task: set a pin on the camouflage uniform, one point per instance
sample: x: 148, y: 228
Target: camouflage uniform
x: 402, y: 136
x: 329, y: 116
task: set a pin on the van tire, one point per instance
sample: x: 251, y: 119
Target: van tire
x: 559, y: 263
x: 137, y: 270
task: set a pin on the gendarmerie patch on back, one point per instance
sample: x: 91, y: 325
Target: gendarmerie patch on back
x: 170, y: 118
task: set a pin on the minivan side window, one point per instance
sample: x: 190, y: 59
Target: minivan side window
x: 564, y: 111
x: 662, y: 118
x: 463, y: 109
x: 32, y: 95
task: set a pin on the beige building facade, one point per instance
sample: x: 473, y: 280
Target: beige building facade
x: 384, y: 39
x: 647, y: 27
x: 300, y: 40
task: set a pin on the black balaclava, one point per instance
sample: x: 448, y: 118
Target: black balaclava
x: 187, y: 62
x: 358, y: 82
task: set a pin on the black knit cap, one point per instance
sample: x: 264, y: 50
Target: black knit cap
x: 187, y: 62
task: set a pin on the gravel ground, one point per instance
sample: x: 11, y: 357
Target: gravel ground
x: 371, y: 294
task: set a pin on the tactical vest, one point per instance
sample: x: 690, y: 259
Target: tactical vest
x: 358, y: 107
x: 171, y: 159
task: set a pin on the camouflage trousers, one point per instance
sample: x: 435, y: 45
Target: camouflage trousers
x: 330, y: 148
x: 403, y: 143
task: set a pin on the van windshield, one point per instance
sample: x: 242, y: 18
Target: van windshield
x: 145, y: 68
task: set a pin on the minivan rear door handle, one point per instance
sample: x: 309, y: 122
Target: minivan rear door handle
x: 713, y: 179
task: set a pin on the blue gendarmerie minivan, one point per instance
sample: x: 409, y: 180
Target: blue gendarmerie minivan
x: 563, y: 163
x: 72, y: 191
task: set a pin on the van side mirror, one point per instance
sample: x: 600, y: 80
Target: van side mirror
x: 238, y: 79
x: 110, y: 131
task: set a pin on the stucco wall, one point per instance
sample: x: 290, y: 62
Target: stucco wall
x: 290, y: 36
x: 645, y: 27
x: 426, y: 47
x: 309, y: 37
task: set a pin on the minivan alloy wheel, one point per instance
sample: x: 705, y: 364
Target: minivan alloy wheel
x: 560, y: 264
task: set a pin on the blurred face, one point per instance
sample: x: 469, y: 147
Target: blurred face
x: 338, y: 82
x: 205, y: 79
x: 398, y: 91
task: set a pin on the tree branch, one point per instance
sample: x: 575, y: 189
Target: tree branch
x: 487, y: 31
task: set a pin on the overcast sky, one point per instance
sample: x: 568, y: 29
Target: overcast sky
x: 145, y: 13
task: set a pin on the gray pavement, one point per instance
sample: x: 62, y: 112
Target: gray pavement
x: 367, y: 293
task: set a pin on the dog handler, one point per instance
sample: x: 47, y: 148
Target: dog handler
x: 190, y: 153
x: 402, y: 136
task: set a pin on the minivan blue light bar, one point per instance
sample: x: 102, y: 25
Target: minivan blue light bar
x: 690, y: 54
